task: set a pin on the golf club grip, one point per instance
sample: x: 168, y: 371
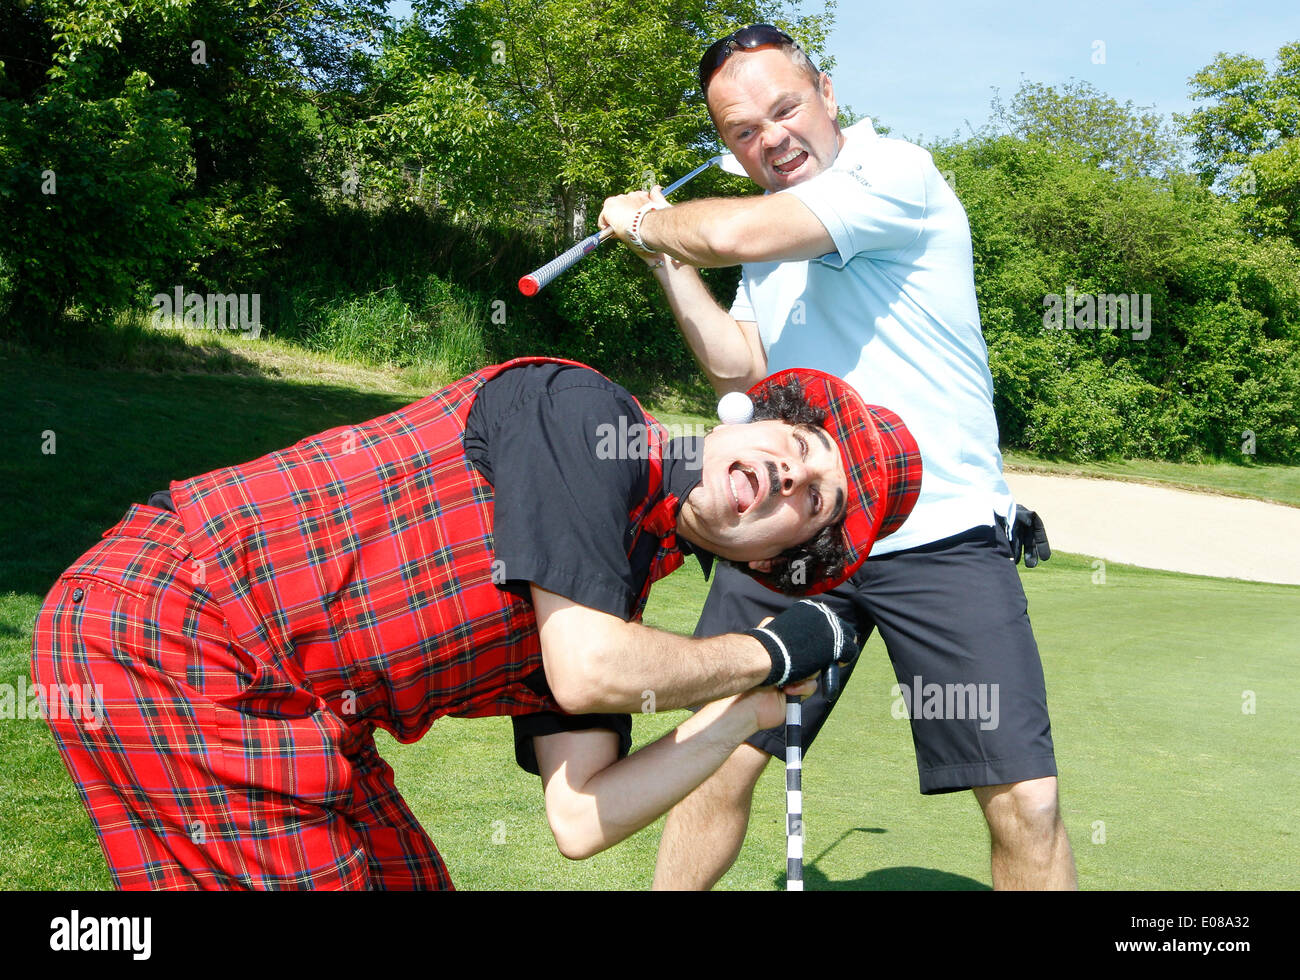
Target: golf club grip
x: 793, y: 794
x: 535, y: 282
x: 538, y: 280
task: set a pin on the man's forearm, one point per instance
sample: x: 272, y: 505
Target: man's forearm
x: 731, y: 360
x: 620, y: 799
x: 721, y: 231
x: 675, y: 671
x: 706, y: 233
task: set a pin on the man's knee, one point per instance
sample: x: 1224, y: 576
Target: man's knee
x: 1015, y: 809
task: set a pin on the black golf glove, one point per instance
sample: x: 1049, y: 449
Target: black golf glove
x: 1028, y: 536
x: 803, y: 640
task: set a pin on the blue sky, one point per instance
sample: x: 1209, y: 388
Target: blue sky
x: 927, y: 67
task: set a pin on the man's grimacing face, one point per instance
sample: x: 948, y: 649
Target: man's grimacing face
x: 765, y: 487
x: 780, y: 126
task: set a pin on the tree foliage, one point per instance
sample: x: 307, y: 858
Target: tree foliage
x: 385, y: 184
x: 1090, y: 125
x: 1221, y: 351
x: 538, y: 110
x: 1246, y: 135
x: 179, y: 133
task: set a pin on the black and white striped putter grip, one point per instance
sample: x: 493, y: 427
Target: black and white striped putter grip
x: 830, y: 680
x: 793, y: 794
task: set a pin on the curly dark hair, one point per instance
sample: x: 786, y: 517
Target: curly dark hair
x: 825, y: 554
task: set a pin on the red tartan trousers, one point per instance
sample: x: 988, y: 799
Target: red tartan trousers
x: 241, y: 653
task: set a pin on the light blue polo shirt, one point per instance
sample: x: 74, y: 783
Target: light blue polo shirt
x: 893, y: 312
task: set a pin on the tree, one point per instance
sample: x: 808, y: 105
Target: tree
x: 523, y: 116
x: 1090, y: 125
x: 89, y: 175
x: 1246, y: 135
x: 179, y: 134
x: 570, y: 100
x: 1210, y: 349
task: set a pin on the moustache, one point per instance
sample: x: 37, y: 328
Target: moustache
x: 773, y: 477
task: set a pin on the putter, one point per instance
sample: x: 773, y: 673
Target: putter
x: 793, y: 794
x: 539, y: 279
x: 830, y: 681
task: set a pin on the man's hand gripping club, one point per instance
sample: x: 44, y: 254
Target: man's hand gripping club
x: 806, y: 639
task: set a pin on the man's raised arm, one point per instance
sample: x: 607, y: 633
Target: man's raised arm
x: 729, y: 351
x: 709, y: 233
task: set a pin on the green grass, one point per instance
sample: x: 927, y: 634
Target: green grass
x: 1262, y: 481
x: 1165, y: 782
x: 1145, y: 674
x: 441, y: 332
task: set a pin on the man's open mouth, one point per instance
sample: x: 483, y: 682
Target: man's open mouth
x: 788, y: 164
x: 744, y: 486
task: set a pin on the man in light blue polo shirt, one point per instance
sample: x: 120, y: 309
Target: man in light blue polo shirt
x: 858, y: 262
x: 903, y: 326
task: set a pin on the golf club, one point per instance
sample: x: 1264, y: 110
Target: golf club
x: 793, y: 794
x: 539, y: 279
x: 830, y: 682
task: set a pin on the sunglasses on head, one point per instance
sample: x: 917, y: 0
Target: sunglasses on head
x: 746, y: 39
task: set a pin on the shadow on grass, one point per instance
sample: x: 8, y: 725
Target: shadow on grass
x: 902, y: 878
x: 899, y: 879
x: 126, y: 344
x: 80, y: 446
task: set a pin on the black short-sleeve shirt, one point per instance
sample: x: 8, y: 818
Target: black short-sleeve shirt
x: 563, y: 448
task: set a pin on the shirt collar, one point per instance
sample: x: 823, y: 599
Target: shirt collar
x: 862, y: 129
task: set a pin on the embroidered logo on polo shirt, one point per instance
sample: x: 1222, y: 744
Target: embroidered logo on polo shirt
x: 857, y: 174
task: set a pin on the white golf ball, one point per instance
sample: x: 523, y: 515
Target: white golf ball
x: 735, y: 408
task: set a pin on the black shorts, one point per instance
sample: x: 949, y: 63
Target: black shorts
x: 955, y: 623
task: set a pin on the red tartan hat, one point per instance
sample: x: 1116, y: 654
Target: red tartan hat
x: 881, y: 460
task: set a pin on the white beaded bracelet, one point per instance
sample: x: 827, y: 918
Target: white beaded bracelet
x: 634, y: 230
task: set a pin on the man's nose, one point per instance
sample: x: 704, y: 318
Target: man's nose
x: 793, y: 475
x: 773, y: 135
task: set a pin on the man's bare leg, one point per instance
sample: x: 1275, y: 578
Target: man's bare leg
x: 703, y: 833
x: 1030, y: 849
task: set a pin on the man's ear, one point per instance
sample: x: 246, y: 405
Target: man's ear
x: 827, y: 90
